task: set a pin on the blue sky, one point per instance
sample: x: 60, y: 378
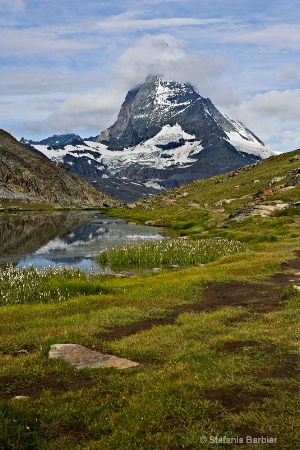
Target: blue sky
x: 67, y: 66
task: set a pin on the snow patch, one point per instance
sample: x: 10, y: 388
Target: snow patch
x: 247, y: 145
x: 154, y: 184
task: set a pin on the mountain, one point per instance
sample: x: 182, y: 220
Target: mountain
x: 165, y: 135
x: 26, y: 177
x: 57, y: 141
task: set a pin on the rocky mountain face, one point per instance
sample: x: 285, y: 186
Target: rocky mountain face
x: 30, y: 178
x: 165, y: 135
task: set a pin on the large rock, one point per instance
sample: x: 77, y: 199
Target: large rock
x: 82, y: 357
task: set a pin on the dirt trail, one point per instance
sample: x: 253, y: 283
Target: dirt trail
x: 261, y: 298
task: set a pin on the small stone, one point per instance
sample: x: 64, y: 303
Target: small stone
x: 21, y: 397
x: 150, y: 223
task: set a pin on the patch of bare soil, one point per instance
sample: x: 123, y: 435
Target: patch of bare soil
x: 13, y: 386
x: 288, y: 367
x: 233, y: 347
x: 261, y: 298
x: 234, y: 400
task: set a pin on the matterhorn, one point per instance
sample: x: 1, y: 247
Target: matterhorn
x: 166, y: 134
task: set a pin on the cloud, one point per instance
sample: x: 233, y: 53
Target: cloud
x: 279, y: 36
x: 129, y: 21
x: 36, y: 81
x: 274, y: 116
x: 163, y: 54
x: 36, y: 42
x: 89, y: 111
x: 284, y: 105
x: 14, y: 5
x: 287, y: 74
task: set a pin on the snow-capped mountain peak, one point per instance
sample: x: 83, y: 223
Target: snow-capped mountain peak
x: 166, y: 134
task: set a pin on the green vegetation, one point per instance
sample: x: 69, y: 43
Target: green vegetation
x: 21, y: 285
x: 228, y: 369
x: 169, y: 252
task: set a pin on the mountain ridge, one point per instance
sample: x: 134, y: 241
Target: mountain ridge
x: 29, y: 178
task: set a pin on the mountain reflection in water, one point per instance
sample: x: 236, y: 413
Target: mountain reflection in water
x: 64, y: 238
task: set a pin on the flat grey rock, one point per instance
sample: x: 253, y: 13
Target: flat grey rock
x: 82, y: 357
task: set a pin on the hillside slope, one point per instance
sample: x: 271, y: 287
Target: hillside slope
x: 26, y: 177
x: 269, y: 187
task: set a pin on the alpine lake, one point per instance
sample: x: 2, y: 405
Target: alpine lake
x: 68, y: 238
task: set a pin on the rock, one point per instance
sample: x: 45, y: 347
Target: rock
x: 21, y: 397
x: 150, y: 223
x: 276, y: 179
x: 294, y: 158
x: 279, y: 206
x: 82, y: 357
x: 120, y: 275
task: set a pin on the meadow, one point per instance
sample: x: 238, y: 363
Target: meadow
x: 217, y: 340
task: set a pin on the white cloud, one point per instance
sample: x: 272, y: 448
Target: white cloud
x: 278, y: 36
x: 35, y: 42
x: 163, y: 54
x: 288, y: 73
x: 129, y: 22
x: 89, y: 111
x: 274, y: 116
x: 284, y: 105
x: 14, y: 5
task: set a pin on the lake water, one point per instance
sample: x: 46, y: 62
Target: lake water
x: 64, y: 238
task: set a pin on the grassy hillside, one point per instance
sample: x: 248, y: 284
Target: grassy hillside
x: 208, y: 202
x: 218, y: 344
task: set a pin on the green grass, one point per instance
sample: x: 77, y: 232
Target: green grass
x: 164, y: 403
x: 161, y: 404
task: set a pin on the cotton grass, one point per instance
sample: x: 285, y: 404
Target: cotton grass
x: 32, y: 285
x: 169, y: 252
